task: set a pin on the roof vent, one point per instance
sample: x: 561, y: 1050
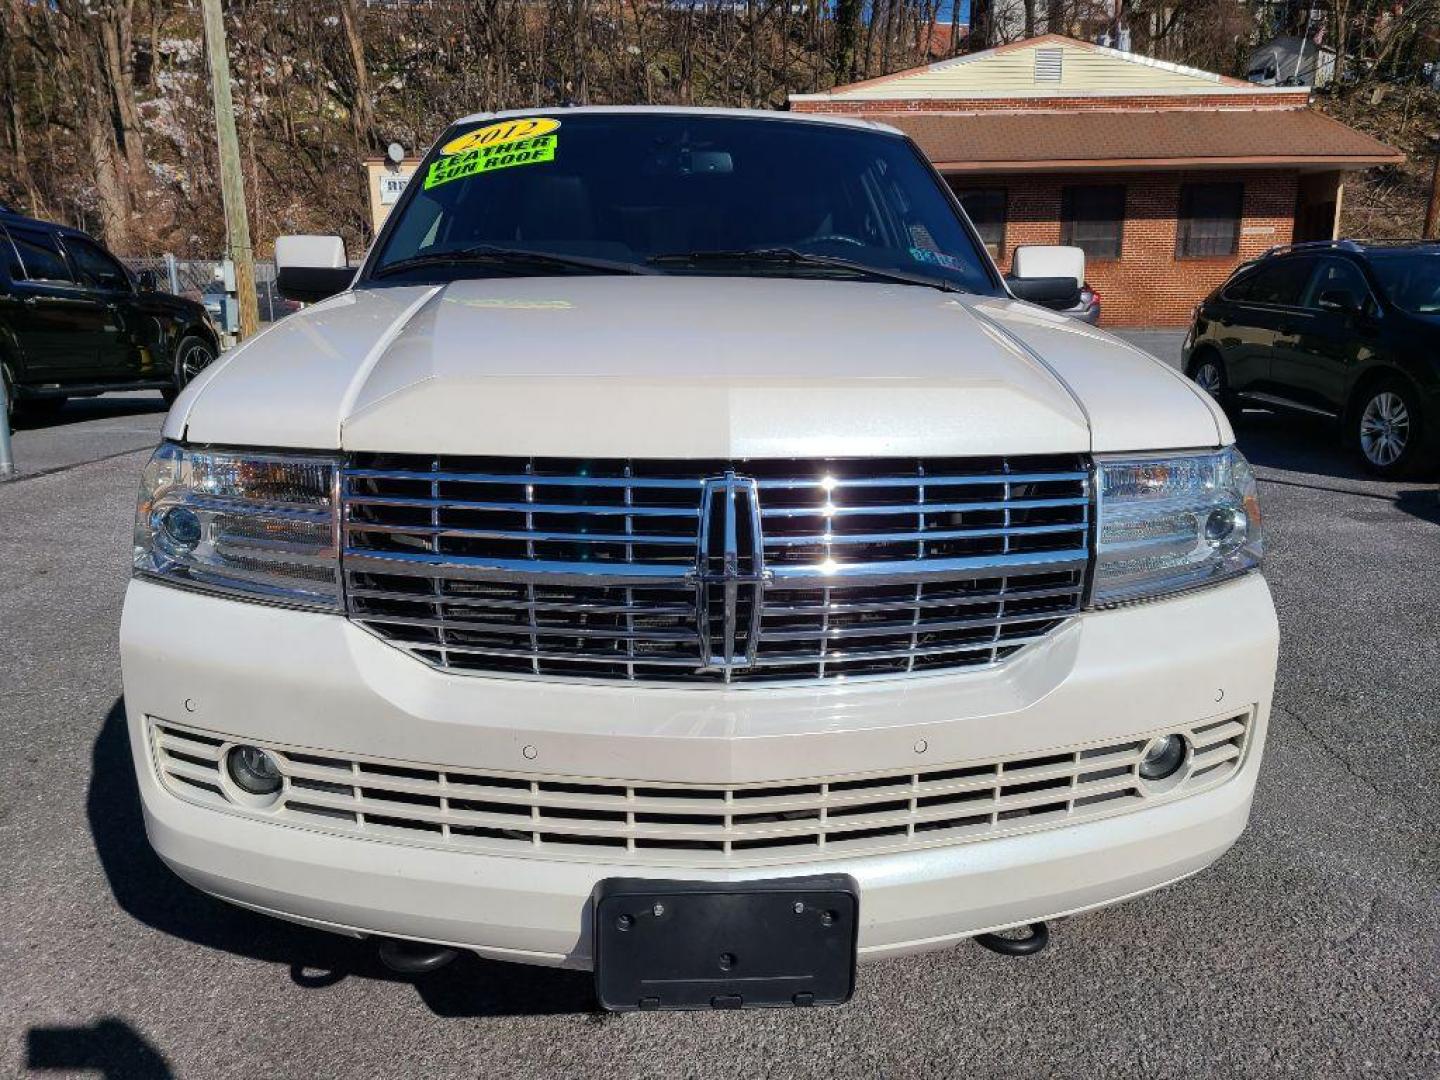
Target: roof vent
x: 1048, y: 65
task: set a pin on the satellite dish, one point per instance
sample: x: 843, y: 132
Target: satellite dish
x: 395, y: 152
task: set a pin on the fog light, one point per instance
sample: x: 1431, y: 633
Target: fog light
x: 253, y: 770
x: 1162, y: 757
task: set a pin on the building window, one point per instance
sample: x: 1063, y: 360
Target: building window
x: 986, y: 209
x: 1209, y: 220
x: 1092, y: 218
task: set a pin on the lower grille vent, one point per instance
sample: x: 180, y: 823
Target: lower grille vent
x: 695, y: 825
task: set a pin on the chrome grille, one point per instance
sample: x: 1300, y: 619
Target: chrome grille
x: 683, y: 571
x: 639, y: 822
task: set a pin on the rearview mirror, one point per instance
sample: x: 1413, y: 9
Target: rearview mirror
x: 147, y: 281
x: 1047, y: 274
x: 310, y: 268
x: 1342, y: 301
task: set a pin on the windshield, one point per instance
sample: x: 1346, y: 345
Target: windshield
x: 677, y: 194
x: 1411, y: 279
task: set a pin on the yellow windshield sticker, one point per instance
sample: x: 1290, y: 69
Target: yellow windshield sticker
x: 507, y: 131
x: 484, y: 159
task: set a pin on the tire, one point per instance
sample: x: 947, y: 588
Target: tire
x: 192, y: 356
x: 1387, y: 429
x: 1207, y: 370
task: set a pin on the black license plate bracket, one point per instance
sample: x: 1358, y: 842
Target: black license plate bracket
x: 725, y: 945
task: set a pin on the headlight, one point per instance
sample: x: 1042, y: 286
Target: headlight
x: 1172, y: 523
x: 253, y: 525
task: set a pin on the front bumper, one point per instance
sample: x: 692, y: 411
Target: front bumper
x: 314, y: 681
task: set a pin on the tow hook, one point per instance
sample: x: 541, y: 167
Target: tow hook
x: 1038, y: 938
x: 413, y: 957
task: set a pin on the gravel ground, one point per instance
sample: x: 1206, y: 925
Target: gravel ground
x: 1312, y: 948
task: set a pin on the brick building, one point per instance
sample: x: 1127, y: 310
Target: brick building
x: 1168, y: 177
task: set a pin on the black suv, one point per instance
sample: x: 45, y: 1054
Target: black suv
x: 74, y: 322
x: 1346, y: 329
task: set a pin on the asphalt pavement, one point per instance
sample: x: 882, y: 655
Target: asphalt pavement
x: 86, y: 430
x: 1311, y: 949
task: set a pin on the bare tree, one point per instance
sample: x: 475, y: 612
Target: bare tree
x: 102, y: 122
x: 362, y: 103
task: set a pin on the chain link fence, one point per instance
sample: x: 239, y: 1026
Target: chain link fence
x: 198, y: 279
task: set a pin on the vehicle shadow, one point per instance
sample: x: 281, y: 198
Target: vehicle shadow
x: 109, y: 1047
x: 1313, y: 445
x: 105, y: 407
x: 1297, y: 443
x: 148, y: 891
x: 1423, y: 503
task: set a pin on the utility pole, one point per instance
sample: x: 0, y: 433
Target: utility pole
x: 232, y: 184
x: 1432, y: 211
x: 7, y: 457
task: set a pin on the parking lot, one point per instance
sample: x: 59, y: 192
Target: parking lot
x: 1312, y: 948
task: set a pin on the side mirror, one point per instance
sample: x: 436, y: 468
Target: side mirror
x: 148, y: 282
x: 1059, y: 293
x: 310, y: 268
x: 1341, y: 301
x: 1050, y: 275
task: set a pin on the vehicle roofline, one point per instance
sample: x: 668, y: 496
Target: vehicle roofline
x: 684, y: 110
x: 11, y: 217
x: 1393, y: 241
x: 1347, y: 244
x: 1309, y: 245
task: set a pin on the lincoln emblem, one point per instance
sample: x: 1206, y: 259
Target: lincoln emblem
x: 730, y: 573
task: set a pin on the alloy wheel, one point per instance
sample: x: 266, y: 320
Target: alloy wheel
x: 1384, y: 428
x: 194, y: 360
x: 1208, y: 378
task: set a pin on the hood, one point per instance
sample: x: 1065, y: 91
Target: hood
x: 673, y: 366
x: 1133, y: 401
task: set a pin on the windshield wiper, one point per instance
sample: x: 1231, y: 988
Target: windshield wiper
x: 489, y: 254
x: 785, y: 256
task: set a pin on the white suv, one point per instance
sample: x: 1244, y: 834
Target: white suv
x: 677, y: 553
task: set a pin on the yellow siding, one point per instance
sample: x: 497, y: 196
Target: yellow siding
x: 1012, y: 73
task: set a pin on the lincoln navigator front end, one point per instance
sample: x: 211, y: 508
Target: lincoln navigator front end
x: 677, y: 552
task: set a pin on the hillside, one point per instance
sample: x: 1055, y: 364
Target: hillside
x: 106, y: 120
x: 1389, y: 202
